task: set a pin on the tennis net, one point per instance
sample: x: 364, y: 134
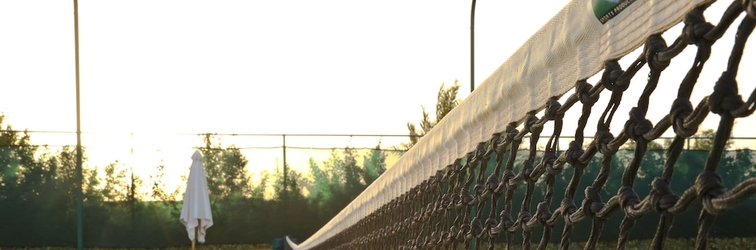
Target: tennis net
x: 440, y: 193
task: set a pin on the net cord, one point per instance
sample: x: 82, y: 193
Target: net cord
x: 404, y: 200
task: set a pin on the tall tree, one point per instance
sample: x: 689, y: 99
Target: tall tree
x: 16, y: 158
x: 374, y: 163
x: 295, y: 182
x: 446, y: 101
x: 226, y: 170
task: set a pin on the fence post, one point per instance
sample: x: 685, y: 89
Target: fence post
x: 284, y: 162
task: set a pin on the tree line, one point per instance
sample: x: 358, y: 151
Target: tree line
x: 38, y: 197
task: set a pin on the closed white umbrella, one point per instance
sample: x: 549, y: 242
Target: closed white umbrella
x: 195, y: 213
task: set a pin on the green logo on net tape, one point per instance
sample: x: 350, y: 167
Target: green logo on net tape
x: 605, y: 10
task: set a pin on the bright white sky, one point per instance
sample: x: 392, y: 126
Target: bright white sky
x: 160, y: 68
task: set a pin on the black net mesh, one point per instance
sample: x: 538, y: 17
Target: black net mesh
x: 531, y: 199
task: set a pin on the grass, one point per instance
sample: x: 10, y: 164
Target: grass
x: 199, y: 247
x: 714, y: 244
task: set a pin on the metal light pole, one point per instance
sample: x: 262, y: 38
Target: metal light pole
x: 472, y: 47
x: 79, y: 196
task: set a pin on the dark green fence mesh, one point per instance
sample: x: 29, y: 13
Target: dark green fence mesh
x: 37, y: 205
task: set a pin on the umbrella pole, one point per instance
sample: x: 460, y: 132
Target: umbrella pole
x: 196, y: 233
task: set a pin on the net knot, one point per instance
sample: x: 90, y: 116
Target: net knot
x: 418, y: 216
x: 725, y: 97
x: 696, y: 27
x: 433, y: 239
x: 551, y: 111
x: 406, y: 225
x: 493, y: 146
x: 393, y: 204
x: 446, y: 201
x: 444, y: 239
x: 568, y: 207
x: 434, y: 208
x: 526, y: 170
x: 425, y: 186
x: 681, y: 109
x: 511, y: 132
x: 505, y: 178
x: 466, y: 199
x: 506, y: 220
x: 604, y: 137
x: 548, y: 161
x: 452, y: 236
x: 490, y: 225
x: 465, y: 231
x: 492, y: 184
x: 592, y: 202
x: 480, y: 192
x: 449, y: 172
x: 455, y: 199
x: 709, y: 185
x: 439, y: 178
x: 654, y: 45
x: 542, y: 210
x: 524, y: 216
x: 412, y: 194
x: 637, y: 125
x: 439, y: 205
x: 476, y: 228
x: 627, y: 196
x: 583, y: 91
x: 509, y: 136
x: 472, y: 160
x: 662, y: 195
x: 574, y: 152
x: 481, y: 153
x: 457, y: 166
x: 612, y: 74
x: 414, y: 244
x: 402, y: 199
x: 531, y: 124
x: 496, y: 228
